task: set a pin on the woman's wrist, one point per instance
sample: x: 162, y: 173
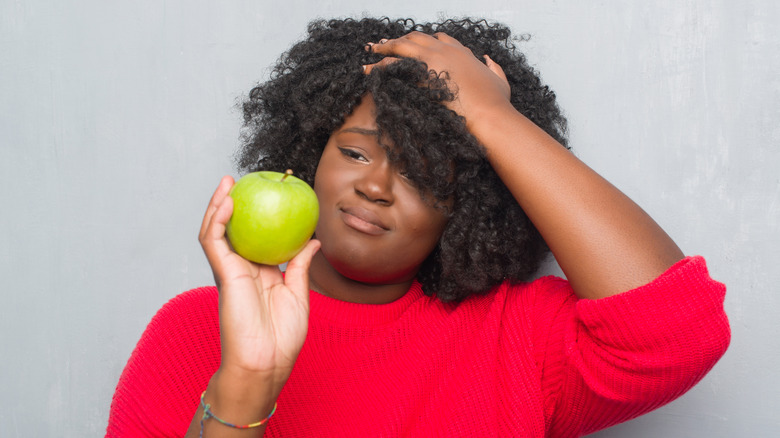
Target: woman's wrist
x: 239, y: 397
x: 483, y: 121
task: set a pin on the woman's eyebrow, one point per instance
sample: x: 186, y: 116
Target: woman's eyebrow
x: 362, y: 131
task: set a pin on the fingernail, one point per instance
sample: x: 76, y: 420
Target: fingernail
x: 364, y: 69
x: 383, y: 40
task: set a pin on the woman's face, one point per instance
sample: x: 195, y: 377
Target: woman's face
x: 374, y: 226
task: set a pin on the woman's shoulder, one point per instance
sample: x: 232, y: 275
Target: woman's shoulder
x: 202, y: 301
x: 554, y: 296
x: 687, y: 273
x: 190, y: 315
x: 195, y: 298
x: 522, y: 304
x: 543, y: 290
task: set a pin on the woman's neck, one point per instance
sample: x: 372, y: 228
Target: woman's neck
x: 324, y: 279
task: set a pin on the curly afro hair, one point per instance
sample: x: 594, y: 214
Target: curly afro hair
x: 316, y: 84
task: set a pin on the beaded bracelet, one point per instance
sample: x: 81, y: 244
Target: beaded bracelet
x: 208, y: 414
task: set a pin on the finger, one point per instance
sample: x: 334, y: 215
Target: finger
x: 214, y: 242
x: 424, y: 39
x: 220, y: 193
x: 216, y: 227
x: 297, y: 275
x: 443, y: 37
x: 498, y: 71
x: 494, y: 67
x: 381, y: 64
x: 407, y: 46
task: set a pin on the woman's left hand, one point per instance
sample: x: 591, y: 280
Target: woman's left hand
x: 480, y: 87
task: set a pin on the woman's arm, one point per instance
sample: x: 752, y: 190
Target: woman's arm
x: 602, y: 361
x: 603, y: 241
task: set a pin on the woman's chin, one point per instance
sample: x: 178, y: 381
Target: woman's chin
x: 371, y: 272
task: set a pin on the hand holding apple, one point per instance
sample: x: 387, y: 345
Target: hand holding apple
x: 263, y: 314
x: 274, y: 215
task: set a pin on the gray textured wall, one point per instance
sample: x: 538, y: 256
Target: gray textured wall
x: 117, y: 120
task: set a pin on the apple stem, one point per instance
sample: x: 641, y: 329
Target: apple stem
x: 287, y: 173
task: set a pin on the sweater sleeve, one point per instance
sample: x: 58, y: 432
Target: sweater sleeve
x: 609, y: 360
x: 159, y: 389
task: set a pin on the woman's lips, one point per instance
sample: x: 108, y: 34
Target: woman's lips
x: 363, y: 220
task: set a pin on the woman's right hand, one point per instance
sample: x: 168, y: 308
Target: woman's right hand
x: 263, y: 315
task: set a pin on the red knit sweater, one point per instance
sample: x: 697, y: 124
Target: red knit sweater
x: 529, y: 360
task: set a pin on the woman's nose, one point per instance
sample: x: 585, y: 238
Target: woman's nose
x: 376, y: 183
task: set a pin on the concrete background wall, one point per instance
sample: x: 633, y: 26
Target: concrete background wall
x: 117, y: 120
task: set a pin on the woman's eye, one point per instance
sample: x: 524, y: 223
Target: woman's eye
x: 353, y: 154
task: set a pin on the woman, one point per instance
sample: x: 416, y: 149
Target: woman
x: 440, y: 164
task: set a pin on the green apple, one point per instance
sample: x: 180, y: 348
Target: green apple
x: 274, y: 215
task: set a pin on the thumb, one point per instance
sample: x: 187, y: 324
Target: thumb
x: 297, y: 275
x: 381, y: 64
x: 498, y: 71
